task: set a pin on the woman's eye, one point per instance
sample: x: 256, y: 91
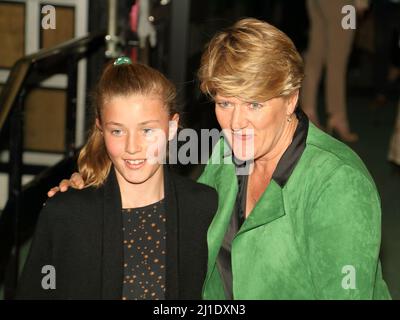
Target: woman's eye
x: 223, y: 104
x: 255, y: 105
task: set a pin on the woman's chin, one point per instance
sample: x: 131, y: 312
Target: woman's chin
x: 243, y: 157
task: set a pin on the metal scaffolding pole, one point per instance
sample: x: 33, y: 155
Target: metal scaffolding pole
x: 179, y: 39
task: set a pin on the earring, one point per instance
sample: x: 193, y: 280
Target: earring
x: 289, y: 118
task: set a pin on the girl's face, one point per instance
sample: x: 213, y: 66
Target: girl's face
x: 136, y: 130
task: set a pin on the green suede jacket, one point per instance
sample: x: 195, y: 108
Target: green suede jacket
x: 314, y: 234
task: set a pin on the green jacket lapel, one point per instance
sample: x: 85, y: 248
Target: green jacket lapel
x: 269, y: 208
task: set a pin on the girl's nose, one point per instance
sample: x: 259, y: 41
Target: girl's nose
x: 133, y: 143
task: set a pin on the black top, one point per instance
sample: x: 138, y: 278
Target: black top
x: 284, y: 169
x: 79, y: 232
x: 237, y: 219
x: 144, y: 252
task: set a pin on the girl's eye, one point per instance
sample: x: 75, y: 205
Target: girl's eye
x: 148, y: 131
x: 117, y: 132
x: 224, y: 104
x: 255, y: 105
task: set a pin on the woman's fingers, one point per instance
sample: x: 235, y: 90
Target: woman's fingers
x: 53, y: 191
x: 76, y: 181
x: 64, y: 185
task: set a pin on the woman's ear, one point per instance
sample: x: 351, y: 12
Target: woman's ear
x: 292, y: 102
x: 173, y: 126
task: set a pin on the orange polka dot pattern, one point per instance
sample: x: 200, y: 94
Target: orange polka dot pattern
x: 144, y: 252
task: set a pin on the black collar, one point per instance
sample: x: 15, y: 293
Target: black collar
x: 291, y: 156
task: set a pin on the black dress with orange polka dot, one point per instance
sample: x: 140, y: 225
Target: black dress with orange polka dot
x: 144, y: 252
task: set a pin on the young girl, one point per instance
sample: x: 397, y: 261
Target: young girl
x: 137, y: 231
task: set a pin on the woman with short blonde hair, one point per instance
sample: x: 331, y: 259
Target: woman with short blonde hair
x: 305, y: 222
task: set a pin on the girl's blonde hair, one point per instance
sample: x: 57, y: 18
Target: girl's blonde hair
x: 119, y: 80
x: 251, y: 60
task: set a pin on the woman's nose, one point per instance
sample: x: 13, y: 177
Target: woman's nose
x: 238, y: 120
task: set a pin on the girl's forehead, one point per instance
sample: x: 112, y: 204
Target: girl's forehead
x: 134, y: 104
x: 133, y: 110
x: 135, y: 98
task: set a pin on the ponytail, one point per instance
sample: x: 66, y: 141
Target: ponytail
x: 93, y: 161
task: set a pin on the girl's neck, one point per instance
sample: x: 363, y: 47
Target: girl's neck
x: 136, y: 195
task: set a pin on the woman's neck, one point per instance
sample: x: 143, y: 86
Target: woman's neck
x: 267, y: 164
x: 136, y: 195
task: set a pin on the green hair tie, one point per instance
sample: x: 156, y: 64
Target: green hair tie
x: 122, y: 60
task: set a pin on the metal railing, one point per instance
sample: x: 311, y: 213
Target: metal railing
x: 26, y: 74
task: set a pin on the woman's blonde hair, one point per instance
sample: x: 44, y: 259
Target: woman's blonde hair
x: 251, y: 60
x: 119, y: 80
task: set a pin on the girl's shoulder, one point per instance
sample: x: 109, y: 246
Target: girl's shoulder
x: 198, y: 202
x: 192, y: 187
x: 195, y: 194
x: 73, y: 198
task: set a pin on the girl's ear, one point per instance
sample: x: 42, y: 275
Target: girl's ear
x: 98, y: 125
x: 173, y: 126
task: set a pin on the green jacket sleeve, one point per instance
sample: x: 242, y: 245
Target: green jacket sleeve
x: 344, y: 232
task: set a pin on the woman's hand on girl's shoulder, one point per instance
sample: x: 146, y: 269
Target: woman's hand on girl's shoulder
x: 75, y: 181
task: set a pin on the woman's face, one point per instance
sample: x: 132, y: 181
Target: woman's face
x: 253, y: 129
x: 136, y: 130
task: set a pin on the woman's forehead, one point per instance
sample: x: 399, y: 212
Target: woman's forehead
x: 234, y: 99
x: 225, y: 97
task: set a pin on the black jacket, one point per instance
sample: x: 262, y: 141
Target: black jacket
x: 79, y: 232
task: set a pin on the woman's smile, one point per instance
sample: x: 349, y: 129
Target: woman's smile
x: 242, y: 137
